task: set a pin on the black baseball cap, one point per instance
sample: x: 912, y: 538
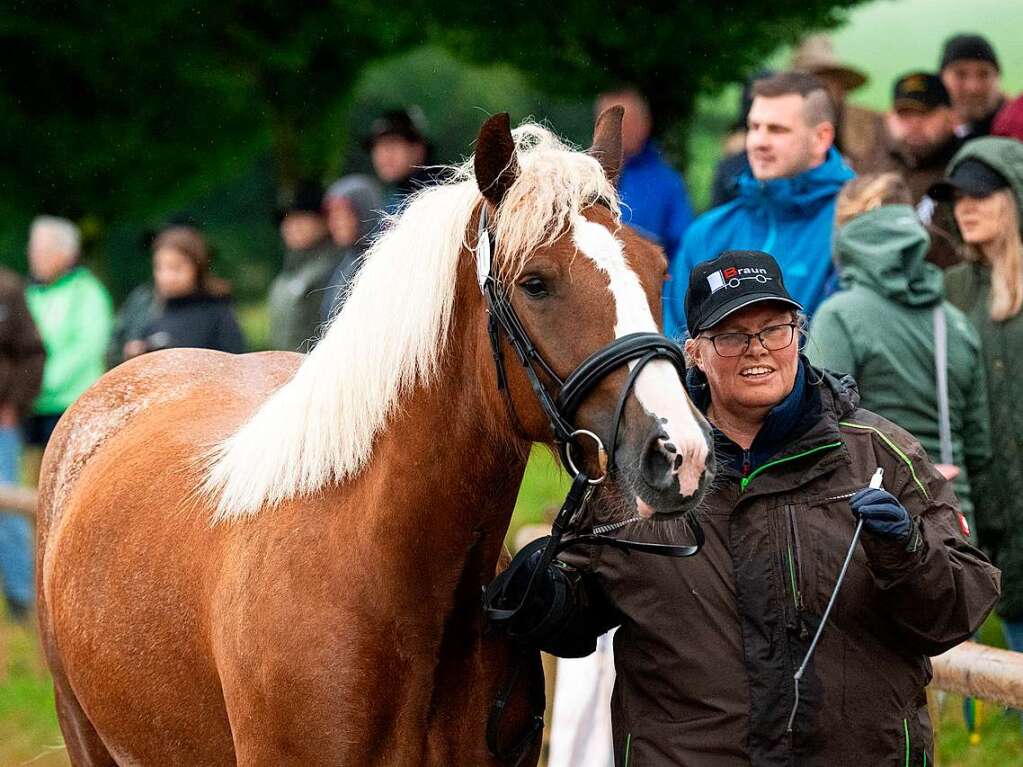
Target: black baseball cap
x: 971, y: 47
x: 919, y: 92
x: 971, y: 177
x: 306, y: 197
x: 732, y: 281
x: 403, y: 123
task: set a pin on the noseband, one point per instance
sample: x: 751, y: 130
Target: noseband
x: 560, y: 409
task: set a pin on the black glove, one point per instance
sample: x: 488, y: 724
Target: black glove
x: 547, y: 608
x: 882, y: 514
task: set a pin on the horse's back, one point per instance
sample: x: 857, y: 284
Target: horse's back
x: 205, y: 393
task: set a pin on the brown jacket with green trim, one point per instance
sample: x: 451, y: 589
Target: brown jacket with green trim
x: 707, y: 646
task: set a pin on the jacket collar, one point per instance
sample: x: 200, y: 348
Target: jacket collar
x: 803, y: 191
x: 648, y: 155
x: 807, y: 419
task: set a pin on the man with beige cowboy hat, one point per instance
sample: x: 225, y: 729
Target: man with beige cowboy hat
x: 860, y: 131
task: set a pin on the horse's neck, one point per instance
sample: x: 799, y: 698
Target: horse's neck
x: 452, y: 479
x: 453, y: 473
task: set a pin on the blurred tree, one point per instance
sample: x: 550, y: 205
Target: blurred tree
x: 112, y: 105
x: 117, y: 113
x: 673, y: 51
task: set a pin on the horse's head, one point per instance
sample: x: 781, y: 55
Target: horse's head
x: 586, y: 291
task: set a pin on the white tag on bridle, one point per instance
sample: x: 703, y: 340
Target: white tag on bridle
x: 483, y: 254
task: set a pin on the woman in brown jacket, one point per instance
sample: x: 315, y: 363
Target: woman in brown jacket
x: 708, y: 646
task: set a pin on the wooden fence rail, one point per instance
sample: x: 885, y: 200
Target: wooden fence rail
x: 18, y: 499
x: 979, y: 671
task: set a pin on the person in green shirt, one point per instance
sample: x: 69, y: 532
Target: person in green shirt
x: 984, y: 184
x: 74, y: 314
x: 881, y: 330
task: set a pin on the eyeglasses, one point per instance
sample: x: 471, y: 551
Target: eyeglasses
x: 773, y: 338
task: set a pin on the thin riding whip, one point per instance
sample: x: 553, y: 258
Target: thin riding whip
x: 875, y: 483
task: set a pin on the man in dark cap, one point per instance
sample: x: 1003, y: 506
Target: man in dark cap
x: 398, y: 146
x: 309, y: 260
x: 971, y: 73
x: 921, y: 141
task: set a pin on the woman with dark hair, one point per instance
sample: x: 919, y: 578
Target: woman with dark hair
x: 191, y: 307
x: 984, y: 184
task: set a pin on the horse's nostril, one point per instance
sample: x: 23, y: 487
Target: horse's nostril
x: 658, y: 464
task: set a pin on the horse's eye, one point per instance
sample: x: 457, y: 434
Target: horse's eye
x: 534, y: 287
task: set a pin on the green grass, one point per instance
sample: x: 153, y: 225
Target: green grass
x: 28, y: 722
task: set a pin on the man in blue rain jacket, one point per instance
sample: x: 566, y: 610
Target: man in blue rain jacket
x: 786, y: 202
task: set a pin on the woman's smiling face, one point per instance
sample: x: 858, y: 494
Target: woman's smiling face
x: 757, y: 378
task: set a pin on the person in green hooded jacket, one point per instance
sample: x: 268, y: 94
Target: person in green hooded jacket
x: 984, y: 182
x: 881, y: 329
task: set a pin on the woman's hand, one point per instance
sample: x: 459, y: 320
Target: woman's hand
x: 882, y: 514
x: 948, y: 470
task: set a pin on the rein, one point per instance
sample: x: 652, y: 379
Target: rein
x: 641, y: 348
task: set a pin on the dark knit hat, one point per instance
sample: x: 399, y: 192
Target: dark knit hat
x: 968, y: 47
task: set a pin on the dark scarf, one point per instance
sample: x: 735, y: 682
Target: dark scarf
x: 785, y: 422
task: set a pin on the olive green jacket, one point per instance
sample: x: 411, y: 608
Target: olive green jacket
x: 999, y: 501
x: 880, y: 330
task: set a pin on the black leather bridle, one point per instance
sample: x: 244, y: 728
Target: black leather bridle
x: 560, y: 409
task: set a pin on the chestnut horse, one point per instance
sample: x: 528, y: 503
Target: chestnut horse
x: 275, y: 559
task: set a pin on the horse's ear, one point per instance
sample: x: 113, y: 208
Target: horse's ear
x: 495, y: 164
x: 607, y: 141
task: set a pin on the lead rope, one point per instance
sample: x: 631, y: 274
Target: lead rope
x: 875, y: 483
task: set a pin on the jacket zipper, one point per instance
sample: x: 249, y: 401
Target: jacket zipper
x: 795, y: 564
x: 744, y: 482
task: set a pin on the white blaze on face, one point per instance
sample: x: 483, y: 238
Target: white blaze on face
x: 658, y: 388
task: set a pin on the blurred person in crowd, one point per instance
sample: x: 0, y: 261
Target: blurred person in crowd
x: 858, y: 130
x: 310, y: 256
x: 74, y: 314
x: 191, y: 307
x: 785, y: 204
x: 921, y: 141
x: 353, y: 206
x: 972, y: 75
x: 881, y: 328
x: 654, y: 197
x: 21, y: 374
x: 400, y: 151
x: 725, y: 184
x: 1009, y: 120
x: 137, y: 308
x: 984, y: 184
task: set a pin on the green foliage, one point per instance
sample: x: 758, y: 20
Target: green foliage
x: 121, y: 112
x: 672, y: 51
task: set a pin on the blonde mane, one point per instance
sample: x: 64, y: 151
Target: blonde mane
x: 388, y: 339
